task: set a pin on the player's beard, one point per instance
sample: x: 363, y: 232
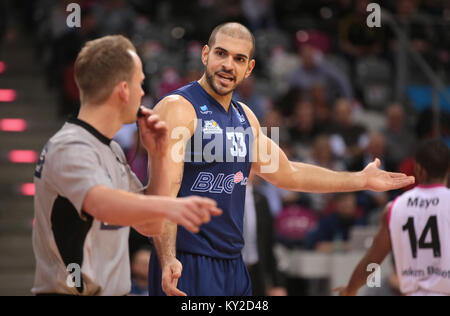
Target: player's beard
x: 212, y: 84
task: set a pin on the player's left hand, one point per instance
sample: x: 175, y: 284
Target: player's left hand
x: 379, y: 180
x: 154, y: 133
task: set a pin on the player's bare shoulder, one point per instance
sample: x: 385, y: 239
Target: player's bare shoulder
x: 177, y: 111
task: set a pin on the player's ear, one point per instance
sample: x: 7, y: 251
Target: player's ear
x: 250, y: 67
x: 205, y: 52
x: 124, y: 91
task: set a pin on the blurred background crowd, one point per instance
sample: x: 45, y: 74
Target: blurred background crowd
x: 340, y: 92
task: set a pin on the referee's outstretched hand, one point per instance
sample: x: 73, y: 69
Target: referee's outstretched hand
x: 192, y: 211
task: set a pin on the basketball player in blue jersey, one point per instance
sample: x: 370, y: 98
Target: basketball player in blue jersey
x: 203, y: 113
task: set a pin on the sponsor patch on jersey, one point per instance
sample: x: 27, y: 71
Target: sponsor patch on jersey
x: 238, y: 177
x: 205, y: 110
x: 211, y: 127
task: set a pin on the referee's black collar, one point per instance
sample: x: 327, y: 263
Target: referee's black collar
x: 105, y: 140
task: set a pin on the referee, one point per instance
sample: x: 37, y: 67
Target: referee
x: 86, y: 194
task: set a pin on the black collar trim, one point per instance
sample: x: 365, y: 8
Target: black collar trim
x: 105, y: 140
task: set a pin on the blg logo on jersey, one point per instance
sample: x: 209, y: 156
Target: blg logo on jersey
x: 207, y: 182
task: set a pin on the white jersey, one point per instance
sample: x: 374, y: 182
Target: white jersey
x: 419, y: 224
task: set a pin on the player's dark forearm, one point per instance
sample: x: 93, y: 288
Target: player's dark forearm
x: 376, y: 254
x: 359, y: 277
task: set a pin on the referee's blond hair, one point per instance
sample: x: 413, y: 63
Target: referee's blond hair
x: 101, y: 65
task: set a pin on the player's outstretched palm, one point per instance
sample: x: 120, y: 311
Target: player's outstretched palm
x: 379, y: 180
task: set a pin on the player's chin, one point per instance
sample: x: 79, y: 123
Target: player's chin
x: 225, y: 90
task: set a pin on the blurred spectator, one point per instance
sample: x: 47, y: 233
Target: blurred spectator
x: 315, y: 70
x: 139, y: 272
x: 417, y: 25
x: 259, y: 14
x: 273, y: 195
x: 418, y: 28
x: 322, y: 156
x: 347, y: 138
x: 138, y: 159
x: 376, y: 148
x: 230, y: 10
x: 273, y: 121
x: 332, y: 233
x: 343, y: 7
x: 443, y: 37
x: 321, y: 41
x: 302, y: 128
x: 258, y: 249
x: 287, y: 101
x: 322, y: 108
x: 433, y: 7
x: 355, y: 38
x: 293, y: 224
x: 116, y: 17
x: 170, y: 81
x: 246, y: 93
x: 399, y: 140
x: 279, y: 66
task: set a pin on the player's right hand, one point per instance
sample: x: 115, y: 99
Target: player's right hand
x: 193, y: 211
x: 171, y: 272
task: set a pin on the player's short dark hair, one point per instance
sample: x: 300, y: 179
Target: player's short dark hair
x: 235, y: 30
x: 434, y: 157
x: 101, y: 65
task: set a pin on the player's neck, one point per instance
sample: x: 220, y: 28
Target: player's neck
x: 101, y: 118
x: 224, y: 100
x: 433, y: 182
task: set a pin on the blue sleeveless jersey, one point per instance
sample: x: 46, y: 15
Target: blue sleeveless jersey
x: 217, y: 166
